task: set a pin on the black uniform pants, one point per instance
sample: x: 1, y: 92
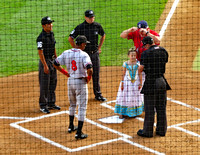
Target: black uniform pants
x: 96, y: 71
x: 48, y: 84
x: 156, y: 102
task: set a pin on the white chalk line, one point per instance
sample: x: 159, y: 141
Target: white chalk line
x: 167, y: 20
x: 125, y: 136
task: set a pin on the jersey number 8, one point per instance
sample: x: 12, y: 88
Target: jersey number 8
x: 74, y: 67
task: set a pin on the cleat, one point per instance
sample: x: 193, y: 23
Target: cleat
x: 100, y: 98
x: 54, y: 107
x: 72, y: 129
x: 44, y: 110
x: 81, y: 136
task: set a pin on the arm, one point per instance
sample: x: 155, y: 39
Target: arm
x: 123, y: 74
x: 89, y: 73
x: 140, y: 69
x: 125, y: 33
x: 55, y: 55
x: 71, y: 41
x: 59, y: 68
x: 146, y: 32
x: 101, y: 42
x: 41, y: 55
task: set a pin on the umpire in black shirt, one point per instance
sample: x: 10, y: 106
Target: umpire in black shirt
x: 153, y: 62
x: 91, y: 30
x: 47, y: 73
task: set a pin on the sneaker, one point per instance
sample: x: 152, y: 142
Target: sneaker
x: 71, y: 129
x: 100, y: 98
x: 81, y: 136
x: 54, y: 107
x: 45, y: 110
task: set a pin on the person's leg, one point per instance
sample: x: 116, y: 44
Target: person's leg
x: 82, y: 99
x: 161, y: 101
x: 149, y: 102
x: 72, y: 101
x: 44, y: 80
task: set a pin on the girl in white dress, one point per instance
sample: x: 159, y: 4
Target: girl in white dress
x: 129, y: 101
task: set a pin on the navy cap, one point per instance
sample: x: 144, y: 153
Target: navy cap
x: 142, y: 24
x: 81, y: 39
x: 147, y: 40
x: 89, y: 13
x: 46, y: 20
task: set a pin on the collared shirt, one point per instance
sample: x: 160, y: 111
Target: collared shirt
x: 137, y: 39
x: 91, y: 31
x: 76, y: 62
x: 46, y: 42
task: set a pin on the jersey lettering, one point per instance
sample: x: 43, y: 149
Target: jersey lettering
x: 74, y: 67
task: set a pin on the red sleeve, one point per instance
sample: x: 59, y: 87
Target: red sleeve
x: 154, y: 33
x: 130, y: 35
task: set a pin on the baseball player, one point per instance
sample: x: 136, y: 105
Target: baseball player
x: 79, y: 68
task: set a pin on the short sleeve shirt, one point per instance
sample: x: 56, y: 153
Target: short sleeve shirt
x: 46, y: 42
x: 137, y: 39
x: 91, y: 31
x: 76, y: 62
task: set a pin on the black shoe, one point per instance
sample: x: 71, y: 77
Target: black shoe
x: 100, y: 98
x: 81, y: 136
x: 44, y: 110
x: 71, y: 129
x: 54, y: 107
x: 159, y: 134
x: 140, y: 133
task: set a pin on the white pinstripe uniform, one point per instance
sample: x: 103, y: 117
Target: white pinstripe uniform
x: 76, y: 62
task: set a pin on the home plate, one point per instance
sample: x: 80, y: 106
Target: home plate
x: 112, y: 119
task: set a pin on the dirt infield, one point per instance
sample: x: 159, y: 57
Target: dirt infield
x: 25, y: 130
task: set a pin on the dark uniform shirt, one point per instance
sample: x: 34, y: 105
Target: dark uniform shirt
x: 154, y: 61
x: 91, y: 31
x: 46, y: 42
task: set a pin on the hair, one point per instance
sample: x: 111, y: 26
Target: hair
x: 132, y: 49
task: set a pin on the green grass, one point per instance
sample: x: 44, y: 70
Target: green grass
x: 20, y: 26
x: 196, y: 63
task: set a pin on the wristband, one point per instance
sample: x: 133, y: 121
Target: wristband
x: 89, y: 78
x: 64, y: 72
x: 147, y: 32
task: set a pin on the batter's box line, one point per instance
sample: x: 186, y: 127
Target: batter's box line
x: 123, y: 138
x: 176, y: 126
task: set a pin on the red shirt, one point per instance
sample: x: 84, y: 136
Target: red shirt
x: 137, y: 39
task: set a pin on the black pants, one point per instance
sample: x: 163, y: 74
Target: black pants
x: 48, y: 84
x: 152, y: 103
x: 96, y: 71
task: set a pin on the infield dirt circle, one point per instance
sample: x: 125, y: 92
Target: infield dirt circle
x: 47, y: 134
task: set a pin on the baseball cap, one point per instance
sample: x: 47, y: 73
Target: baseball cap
x: 147, y: 40
x: 46, y: 20
x: 81, y: 39
x: 89, y: 13
x: 142, y: 24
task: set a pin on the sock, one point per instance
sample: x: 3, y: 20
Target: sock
x: 71, y: 122
x: 80, y: 126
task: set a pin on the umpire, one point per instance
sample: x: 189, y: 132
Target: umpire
x: 47, y: 73
x: 153, y: 62
x: 91, y: 30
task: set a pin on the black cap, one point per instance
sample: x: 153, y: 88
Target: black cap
x: 142, y: 24
x: 46, y: 20
x: 89, y: 13
x: 81, y: 39
x: 147, y: 40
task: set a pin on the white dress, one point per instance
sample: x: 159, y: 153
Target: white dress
x: 129, y: 101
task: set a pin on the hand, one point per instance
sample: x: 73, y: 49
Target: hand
x: 122, y: 86
x: 99, y: 50
x: 139, y: 86
x: 46, y: 69
x: 143, y: 32
x: 88, y: 79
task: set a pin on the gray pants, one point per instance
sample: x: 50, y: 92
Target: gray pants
x: 48, y: 84
x: 78, y: 95
x: 96, y: 71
